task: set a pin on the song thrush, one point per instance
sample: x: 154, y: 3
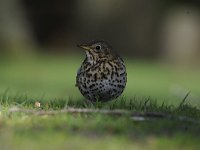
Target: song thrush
x: 102, y: 75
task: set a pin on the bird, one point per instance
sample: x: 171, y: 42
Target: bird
x: 102, y: 76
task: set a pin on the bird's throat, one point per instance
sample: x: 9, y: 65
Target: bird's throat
x: 91, y: 58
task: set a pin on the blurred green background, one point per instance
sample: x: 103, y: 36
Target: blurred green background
x: 159, y: 41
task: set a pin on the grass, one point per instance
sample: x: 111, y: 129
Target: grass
x: 152, y: 87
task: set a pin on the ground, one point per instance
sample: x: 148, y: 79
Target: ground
x: 172, y: 92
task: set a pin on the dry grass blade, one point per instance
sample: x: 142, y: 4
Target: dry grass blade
x: 136, y: 116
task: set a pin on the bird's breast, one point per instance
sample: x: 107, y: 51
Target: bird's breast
x: 104, y: 80
x: 103, y: 74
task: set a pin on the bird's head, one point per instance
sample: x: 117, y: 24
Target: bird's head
x: 97, y: 50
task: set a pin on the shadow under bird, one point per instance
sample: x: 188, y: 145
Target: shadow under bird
x: 102, y: 75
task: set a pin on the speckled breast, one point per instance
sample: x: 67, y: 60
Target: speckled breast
x: 102, y: 81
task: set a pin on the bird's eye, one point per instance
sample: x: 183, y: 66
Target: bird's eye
x: 98, y: 47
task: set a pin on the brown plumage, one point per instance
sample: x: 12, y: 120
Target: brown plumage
x: 102, y: 75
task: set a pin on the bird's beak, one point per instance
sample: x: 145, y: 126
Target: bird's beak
x: 83, y: 46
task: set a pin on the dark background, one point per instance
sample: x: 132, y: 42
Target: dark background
x: 135, y: 28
